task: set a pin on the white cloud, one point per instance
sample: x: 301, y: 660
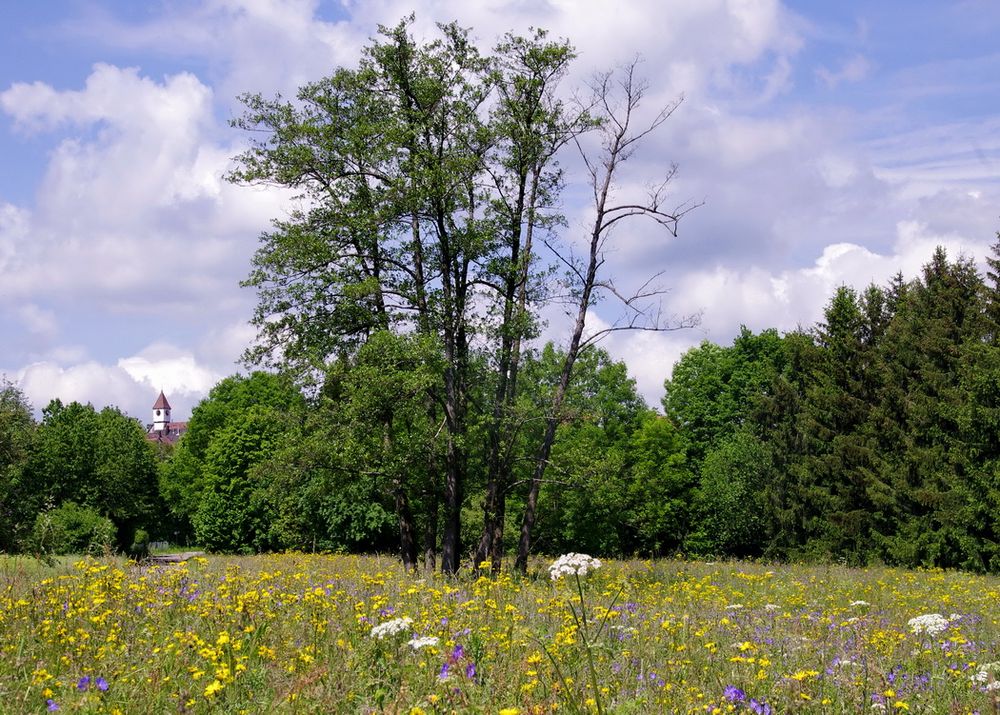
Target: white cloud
x: 852, y: 69
x: 133, y: 210
x: 91, y: 382
x: 133, y: 218
x: 13, y: 230
x: 164, y: 367
x: 131, y: 384
x: 38, y: 321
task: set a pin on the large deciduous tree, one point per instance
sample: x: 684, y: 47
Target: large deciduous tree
x: 426, y: 179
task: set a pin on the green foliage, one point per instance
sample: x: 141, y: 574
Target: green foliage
x: 72, y: 529
x: 17, y: 435
x: 712, y: 389
x: 730, y: 508
x: 659, y: 489
x: 99, y: 460
x: 140, y: 544
x: 208, y: 481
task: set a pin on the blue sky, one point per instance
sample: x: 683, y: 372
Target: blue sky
x: 831, y: 142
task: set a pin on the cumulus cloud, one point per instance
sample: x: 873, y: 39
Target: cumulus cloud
x: 131, y: 384
x: 123, y: 272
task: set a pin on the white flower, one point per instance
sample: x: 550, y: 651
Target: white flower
x: 573, y: 564
x: 986, y: 675
x: 734, y: 606
x: 860, y: 603
x: 931, y: 623
x: 391, y: 628
x: 772, y: 607
x: 424, y: 642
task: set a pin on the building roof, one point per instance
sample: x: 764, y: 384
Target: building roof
x: 161, y: 402
x: 170, y: 434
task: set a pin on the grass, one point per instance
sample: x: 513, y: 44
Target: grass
x: 294, y: 633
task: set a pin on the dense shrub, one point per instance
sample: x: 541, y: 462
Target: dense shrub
x: 72, y: 529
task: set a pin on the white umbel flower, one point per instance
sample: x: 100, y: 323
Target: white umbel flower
x: 422, y: 642
x: 932, y: 624
x: 391, y: 628
x: 572, y: 564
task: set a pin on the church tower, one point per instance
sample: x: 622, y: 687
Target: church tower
x: 161, y: 413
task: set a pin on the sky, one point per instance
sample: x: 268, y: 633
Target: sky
x: 829, y: 143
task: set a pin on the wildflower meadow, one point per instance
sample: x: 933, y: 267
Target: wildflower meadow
x: 306, y: 633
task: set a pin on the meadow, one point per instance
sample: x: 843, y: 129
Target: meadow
x: 304, y: 634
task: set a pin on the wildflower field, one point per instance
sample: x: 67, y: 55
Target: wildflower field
x: 300, y: 633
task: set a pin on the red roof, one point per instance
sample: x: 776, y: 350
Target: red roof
x: 161, y: 402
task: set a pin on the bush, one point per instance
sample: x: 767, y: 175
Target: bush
x: 140, y: 544
x: 72, y: 529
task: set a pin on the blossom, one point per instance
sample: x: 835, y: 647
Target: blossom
x: 860, y: 603
x: 987, y: 675
x: 391, y: 628
x: 422, y: 642
x: 733, y: 694
x: 83, y: 683
x: 573, y: 564
x: 52, y: 705
x: 101, y: 684
x: 931, y: 623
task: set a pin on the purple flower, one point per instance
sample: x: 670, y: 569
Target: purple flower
x: 101, y: 684
x: 470, y: 671
x: 83, y: 683
x: 761, y: 708
x: 733, y: 694
x: 458, y: 652
x: 53, y: 705
x: 445, y: 667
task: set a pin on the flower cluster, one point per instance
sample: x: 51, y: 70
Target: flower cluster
x: 573, y: 564
x: 106, y: 636
x: 987, y: 675
x: 391, y: 628
x: 932, y: 624
x: 422, y: 642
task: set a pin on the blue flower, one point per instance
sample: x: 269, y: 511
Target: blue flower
x: 101, y: 684
x: 733, y: 694
x: 470, y: 671
x: 53, y: 705
x: 83, y: 683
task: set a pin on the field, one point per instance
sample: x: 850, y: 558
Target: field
x: 300, y: 633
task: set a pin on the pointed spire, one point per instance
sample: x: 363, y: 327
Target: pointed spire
x: 161, y: 402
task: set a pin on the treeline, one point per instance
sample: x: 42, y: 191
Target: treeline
x: 79, y: 480
x: 262, y: 468
x: 873, y: 437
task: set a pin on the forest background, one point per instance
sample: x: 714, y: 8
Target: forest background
x: 408, y: 409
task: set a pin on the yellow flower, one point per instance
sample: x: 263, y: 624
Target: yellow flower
x: 510, y: 711
x: 212, y: 688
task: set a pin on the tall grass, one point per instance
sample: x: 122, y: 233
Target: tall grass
x: 293, y: 633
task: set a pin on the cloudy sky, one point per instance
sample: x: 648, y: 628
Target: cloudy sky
x: 831, y: 143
